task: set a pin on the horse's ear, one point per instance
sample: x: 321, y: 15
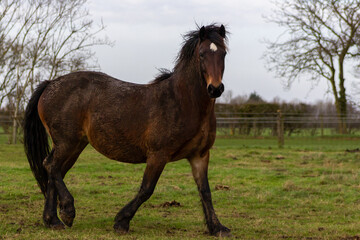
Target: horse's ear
x: 222, y: 31
x: 202, y: 33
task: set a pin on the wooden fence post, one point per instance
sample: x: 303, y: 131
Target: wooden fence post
x: 322, y: 125
x: 15, y: 127
x: 280, y: 129
x: 254, y: 127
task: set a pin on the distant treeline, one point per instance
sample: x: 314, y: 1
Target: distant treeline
x: 256, y: 117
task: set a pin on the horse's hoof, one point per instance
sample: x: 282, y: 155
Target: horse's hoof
x: 121, y: 228
x: 67, y: 217
x: 223, y: 232
x: 54, y: 224
x: 58, y: 226
x: 121, y: 231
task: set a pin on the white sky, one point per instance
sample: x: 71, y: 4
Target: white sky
x: 147, y: 35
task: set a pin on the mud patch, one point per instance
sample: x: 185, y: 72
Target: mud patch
x: 351, y: 238
x: 352, y: 150
x: 170, y: 204
x: 4, y: 208
x: 220, y: 187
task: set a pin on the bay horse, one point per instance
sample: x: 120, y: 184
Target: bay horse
x: 169, y: 119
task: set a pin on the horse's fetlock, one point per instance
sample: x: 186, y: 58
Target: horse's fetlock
x: 68, y: 200
x: 67, y: 208
x: 123, y: 215
x: 47, y: 219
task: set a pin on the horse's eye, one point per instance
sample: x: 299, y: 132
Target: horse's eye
x: 201, y: 55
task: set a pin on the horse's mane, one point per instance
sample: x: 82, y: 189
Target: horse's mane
x: 191, y: 40
x: 163, y: 75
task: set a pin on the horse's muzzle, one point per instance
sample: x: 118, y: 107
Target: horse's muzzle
x: 215, y: 92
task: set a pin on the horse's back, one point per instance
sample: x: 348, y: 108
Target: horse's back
x: 69, y: 96
x: 78, y: 92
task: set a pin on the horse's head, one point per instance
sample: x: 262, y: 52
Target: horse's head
x: 212, y: 51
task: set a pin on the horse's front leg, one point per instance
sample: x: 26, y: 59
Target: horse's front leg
x: 199, y: 165
x: 154, y: 166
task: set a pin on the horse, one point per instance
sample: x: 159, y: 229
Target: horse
x: 168, y: 119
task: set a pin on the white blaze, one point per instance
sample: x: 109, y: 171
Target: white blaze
x: 213, y: 47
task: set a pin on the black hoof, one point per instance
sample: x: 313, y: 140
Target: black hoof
x: 59, y: 226
x: 67, y: 217
x: 222, y: 231
x: 54, y: 223
x: 67, y: 214
x: 121, y: 227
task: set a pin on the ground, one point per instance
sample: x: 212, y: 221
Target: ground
x: 307, y: 190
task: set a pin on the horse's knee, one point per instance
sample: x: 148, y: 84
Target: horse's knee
x: 145, y: 194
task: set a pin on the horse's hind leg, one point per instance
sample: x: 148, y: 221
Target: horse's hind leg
x: 50, y: 210
x: 63, y: 159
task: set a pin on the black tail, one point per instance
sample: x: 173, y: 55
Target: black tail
x: 35, y: 138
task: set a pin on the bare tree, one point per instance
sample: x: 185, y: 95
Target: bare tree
x: 226, y: 97
x: 42, y: 39
x: 320, y: 36
x: 239, y: 99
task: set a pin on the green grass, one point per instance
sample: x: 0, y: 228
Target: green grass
x: 308, y: 190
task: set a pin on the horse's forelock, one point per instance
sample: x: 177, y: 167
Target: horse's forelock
x: 192, y: 38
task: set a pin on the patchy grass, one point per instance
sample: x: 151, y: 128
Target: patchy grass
x: 308, y: 190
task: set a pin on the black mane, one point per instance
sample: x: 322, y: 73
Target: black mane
x: 191, y: 40
x: 163, y: 75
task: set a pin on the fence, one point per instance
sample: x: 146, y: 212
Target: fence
x: 6, y: 126
x: 265, y: 124
x: 290, y: 124
x: 5, y: 123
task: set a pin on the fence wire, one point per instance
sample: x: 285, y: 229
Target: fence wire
x: 261, y: 123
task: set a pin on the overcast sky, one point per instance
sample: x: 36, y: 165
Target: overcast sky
x: 147, y: 35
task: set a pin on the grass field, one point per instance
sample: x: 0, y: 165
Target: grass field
x: 308, y: 190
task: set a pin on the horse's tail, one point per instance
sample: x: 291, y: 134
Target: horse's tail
x: 35, y: 138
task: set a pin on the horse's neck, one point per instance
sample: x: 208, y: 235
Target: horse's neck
x: 193, y: 90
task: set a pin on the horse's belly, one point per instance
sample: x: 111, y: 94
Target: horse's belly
x: 122, y: 152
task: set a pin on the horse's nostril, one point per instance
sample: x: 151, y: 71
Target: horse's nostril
x: 215, y: 92
x: 221, y: 88
x: 211, y: 89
